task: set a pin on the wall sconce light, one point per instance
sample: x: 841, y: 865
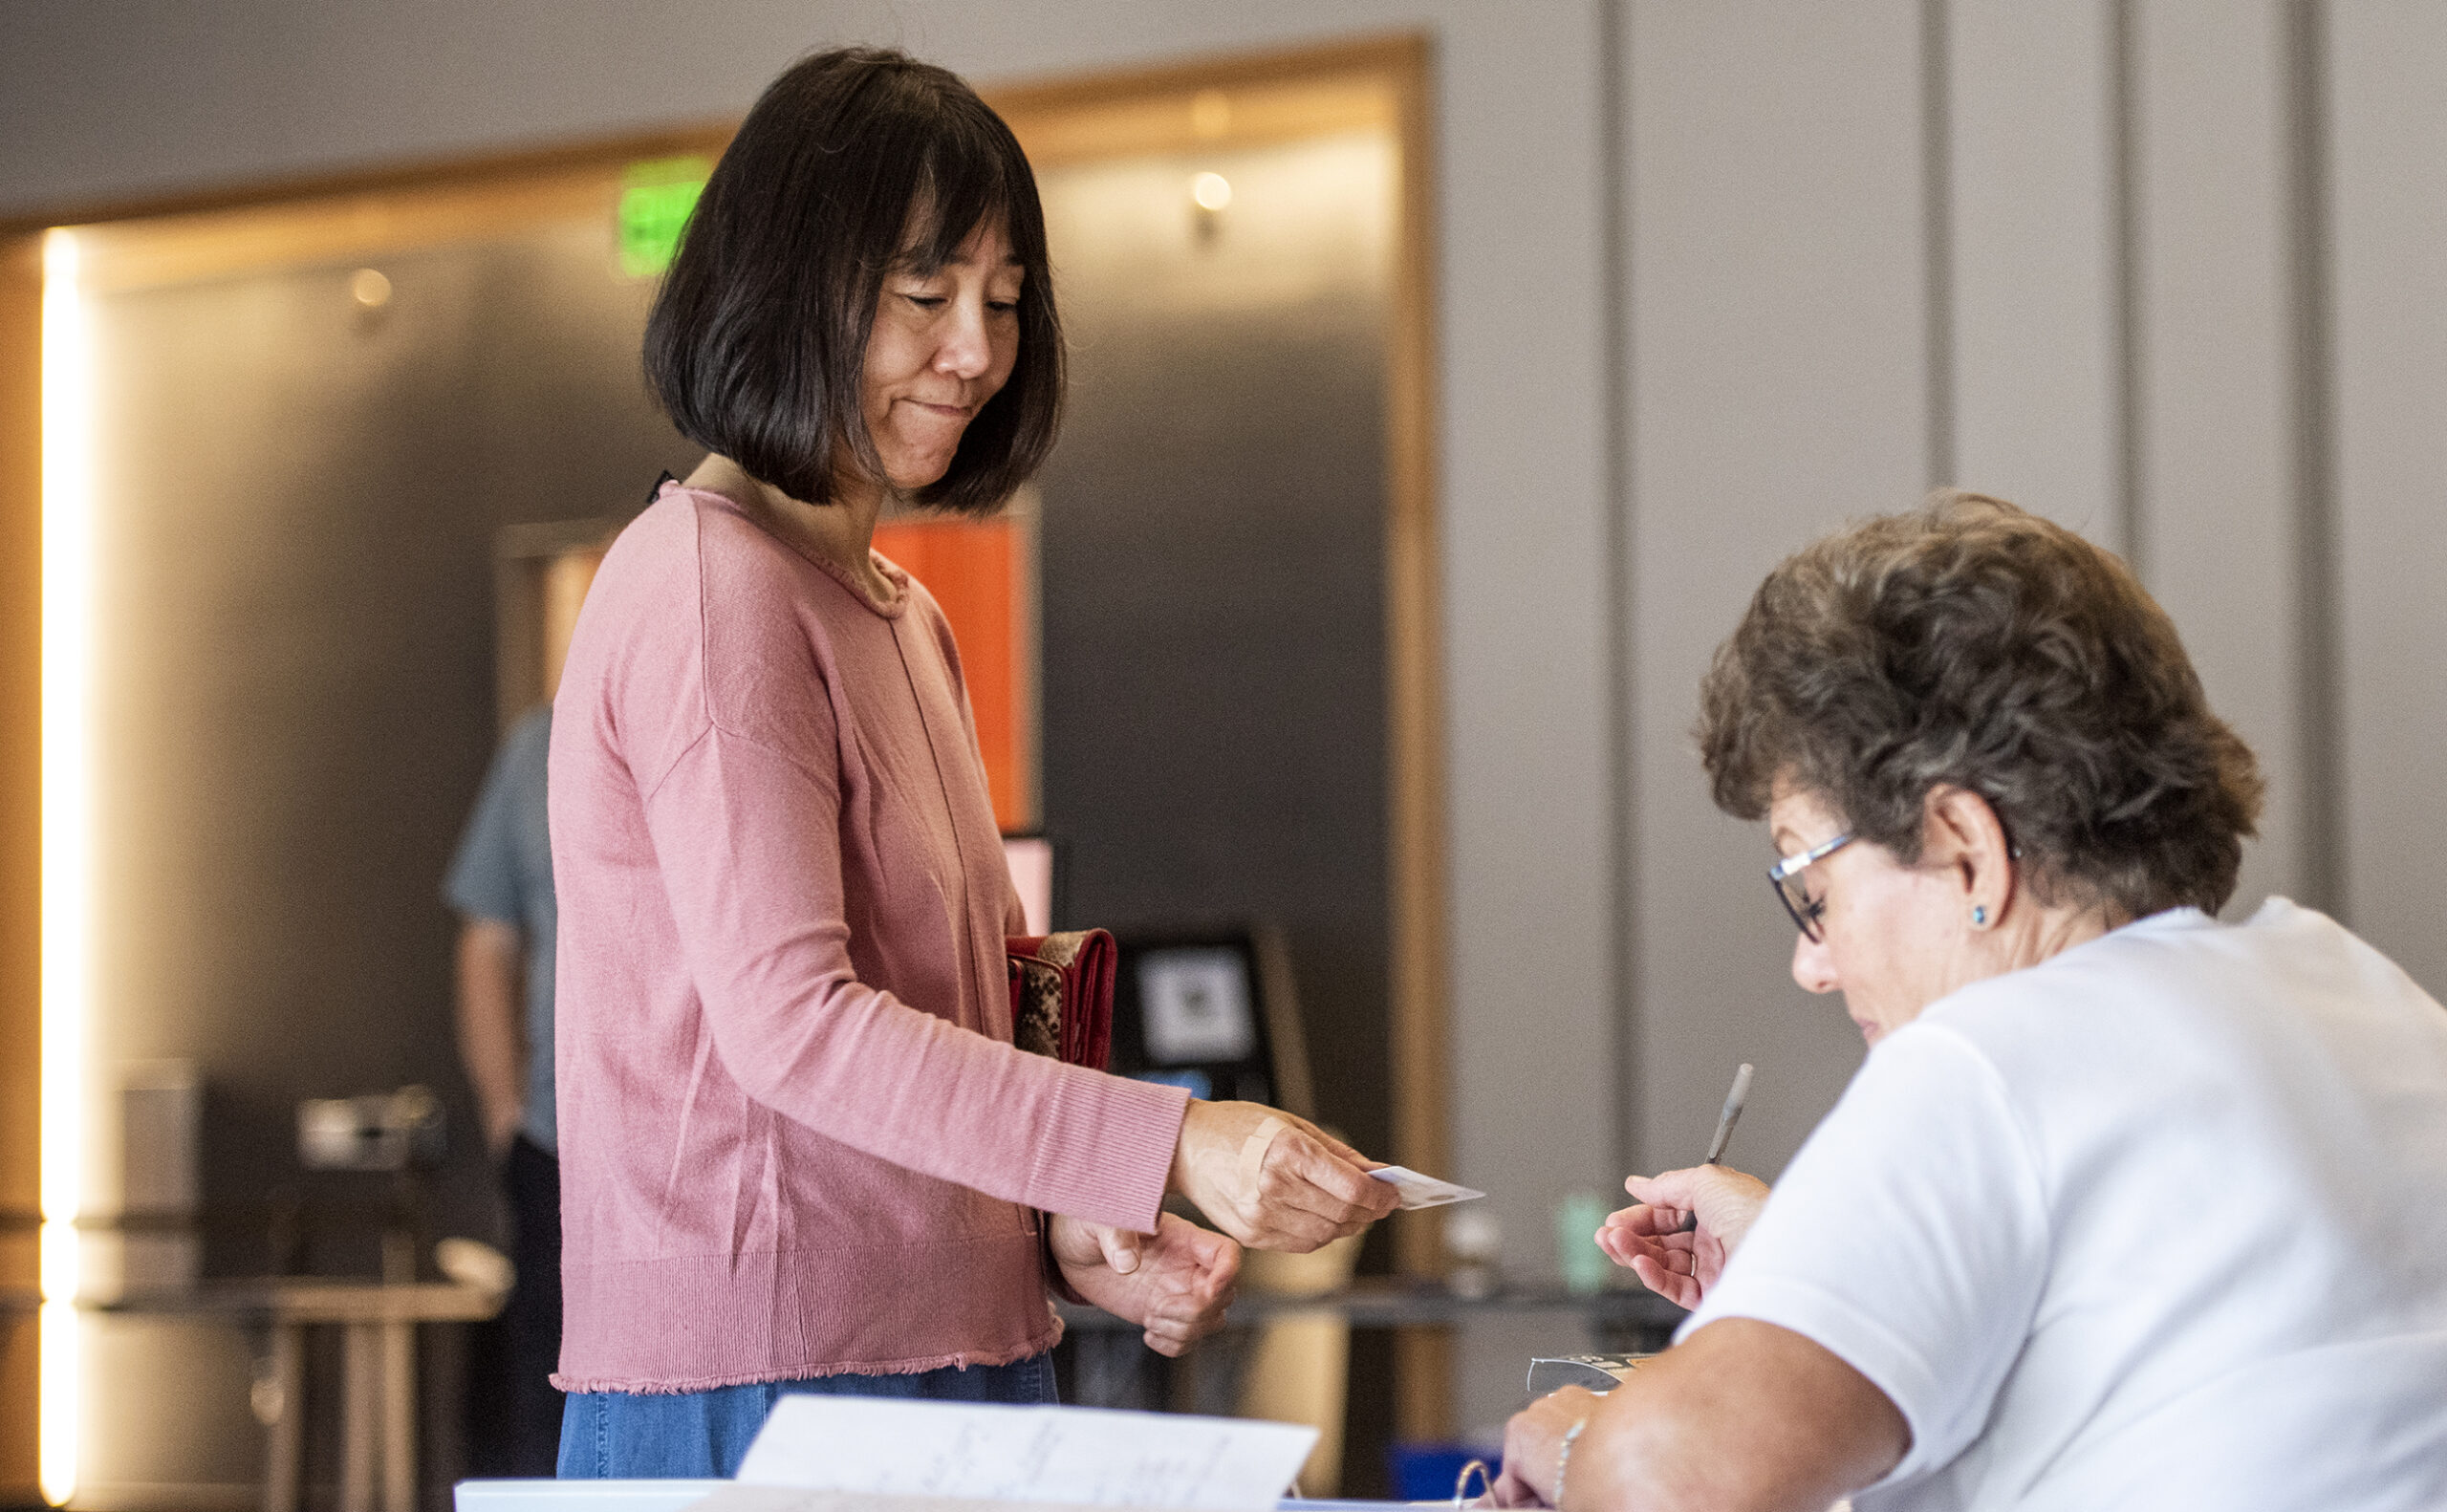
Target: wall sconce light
x: 1208, y: 195
x: 369, y: 299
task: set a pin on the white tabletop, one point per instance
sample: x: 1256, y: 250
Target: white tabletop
x: 654, y: 1495
x: 580, y: 1496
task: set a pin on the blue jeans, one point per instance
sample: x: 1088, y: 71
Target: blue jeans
x: 704, y: 1435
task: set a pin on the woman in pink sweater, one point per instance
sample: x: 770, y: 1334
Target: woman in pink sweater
x: 799, y: 1151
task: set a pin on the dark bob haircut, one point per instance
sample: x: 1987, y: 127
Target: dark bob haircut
x: 1970, y: 644
x: 854, y: 162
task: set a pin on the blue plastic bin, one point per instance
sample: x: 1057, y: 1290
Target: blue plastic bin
x: 1426, y: 1472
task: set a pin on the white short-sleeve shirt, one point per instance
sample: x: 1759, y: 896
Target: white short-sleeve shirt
x: 2160, y: 1223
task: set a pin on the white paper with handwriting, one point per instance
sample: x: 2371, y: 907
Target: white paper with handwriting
x: 1084, y: 1456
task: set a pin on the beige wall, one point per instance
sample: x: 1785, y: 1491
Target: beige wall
x: 2089, y: 298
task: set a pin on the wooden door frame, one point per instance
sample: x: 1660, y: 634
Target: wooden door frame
x: 1267, y: 97
x: 21, y: 281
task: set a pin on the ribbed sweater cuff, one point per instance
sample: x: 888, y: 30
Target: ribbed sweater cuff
x: 1111, y: 1152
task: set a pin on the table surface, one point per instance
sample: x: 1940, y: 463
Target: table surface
x: 671, y: 1496
x: 312, y: 1298
x: 1389, y: 1302
x: 1371, y: 1301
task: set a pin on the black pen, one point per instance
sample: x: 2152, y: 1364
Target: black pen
x: 1725, y: 1120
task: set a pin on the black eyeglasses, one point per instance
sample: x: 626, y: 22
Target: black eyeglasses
x: 1785, y: 876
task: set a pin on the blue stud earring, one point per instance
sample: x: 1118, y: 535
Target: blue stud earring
x: 1980, y: 916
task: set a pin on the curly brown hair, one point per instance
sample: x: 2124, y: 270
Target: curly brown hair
x: 1969, y: 643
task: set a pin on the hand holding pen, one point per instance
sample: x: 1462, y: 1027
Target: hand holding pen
x: 1687, y: 1223
x: 1727, y: 1117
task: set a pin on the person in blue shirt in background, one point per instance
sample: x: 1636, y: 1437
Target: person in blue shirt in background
x: 501, y: 887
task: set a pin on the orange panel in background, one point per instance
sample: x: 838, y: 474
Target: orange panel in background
x: 982, y: 572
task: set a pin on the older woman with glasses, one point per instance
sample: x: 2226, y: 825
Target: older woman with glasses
x: 2127, y: 1206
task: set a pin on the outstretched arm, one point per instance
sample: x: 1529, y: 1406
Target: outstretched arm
x: 1742, y: 1417
x: 1273, y: 1180
x: 747, y: 841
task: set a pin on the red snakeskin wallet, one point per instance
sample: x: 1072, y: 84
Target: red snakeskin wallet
x: 1061, y: 995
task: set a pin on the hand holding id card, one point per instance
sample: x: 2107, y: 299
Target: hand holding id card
x: 1422, y: 1191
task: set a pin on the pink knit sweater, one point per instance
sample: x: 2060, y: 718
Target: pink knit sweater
x: 795, y: 1138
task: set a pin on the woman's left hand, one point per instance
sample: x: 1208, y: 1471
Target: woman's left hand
x: 1531, y: 1442
x: 1649, y: 1238
x: 1175, y: 1284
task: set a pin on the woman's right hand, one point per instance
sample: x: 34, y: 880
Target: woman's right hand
x: 1649, y: 1239
x: 1272, y: 1179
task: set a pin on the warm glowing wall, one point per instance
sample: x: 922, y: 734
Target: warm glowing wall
x: 983, y: 572
x: 20, y: 849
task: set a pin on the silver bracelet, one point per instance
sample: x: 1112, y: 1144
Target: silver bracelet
x: 1563, y: 1458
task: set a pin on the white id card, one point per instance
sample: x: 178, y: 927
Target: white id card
x: 1423, y: 1191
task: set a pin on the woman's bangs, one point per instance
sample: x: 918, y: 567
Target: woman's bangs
x: 964, y: 188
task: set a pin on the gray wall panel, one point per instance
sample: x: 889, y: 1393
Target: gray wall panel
x: 1524, y: 628
x: 2390, y: 163
x: 2216, y: 519
x: 1777, y: 288
x: 2034, y: 354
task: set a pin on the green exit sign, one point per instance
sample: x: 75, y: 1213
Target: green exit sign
x: 655, y: 198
